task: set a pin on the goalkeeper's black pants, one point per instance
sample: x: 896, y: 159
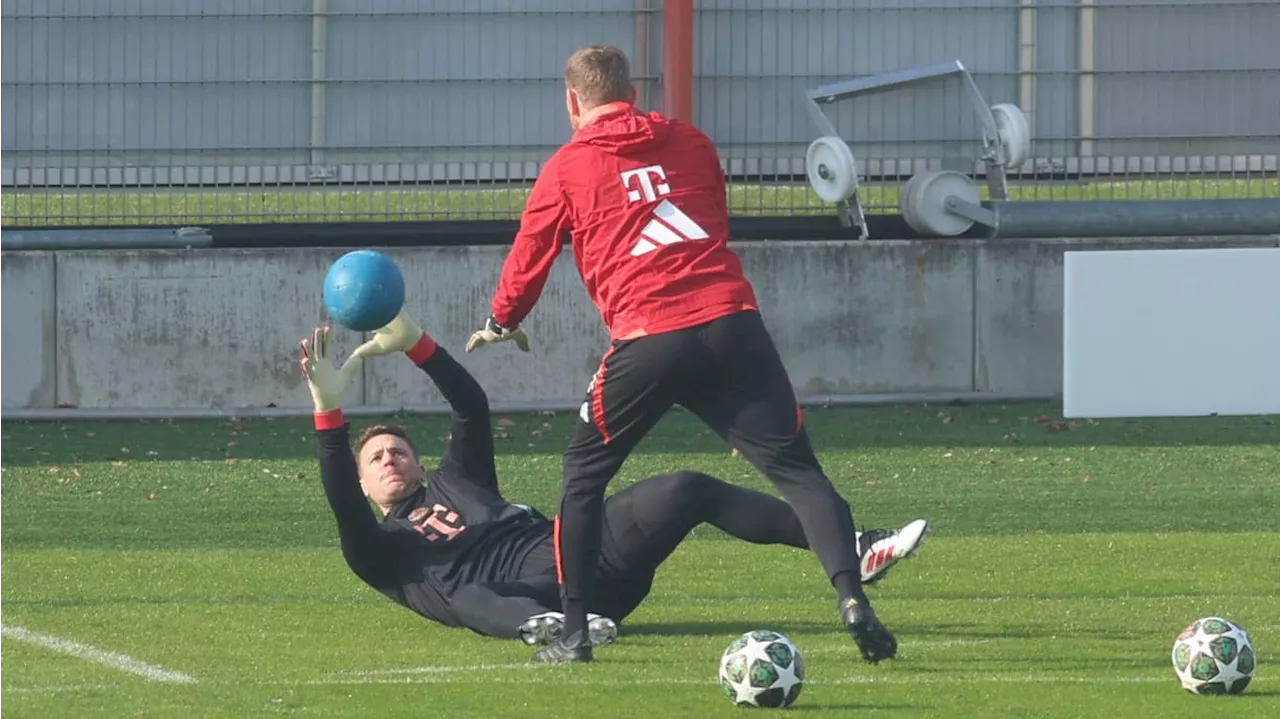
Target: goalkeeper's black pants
x: 728, y: 373
x: 643, y: 525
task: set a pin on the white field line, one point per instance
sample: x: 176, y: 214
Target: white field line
x: 115, y: 660
x: 485, y: 674
x: 410, y: 671
x: 439, y: 670
x: 849, y: 649
x: 527, y: 678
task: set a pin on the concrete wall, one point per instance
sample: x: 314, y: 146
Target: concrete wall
x: 220, y: 328
x: 27, y: 329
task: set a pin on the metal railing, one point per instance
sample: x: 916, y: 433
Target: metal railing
x: 119, y: 112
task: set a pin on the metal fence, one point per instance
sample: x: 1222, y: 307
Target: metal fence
x: 121, y: 112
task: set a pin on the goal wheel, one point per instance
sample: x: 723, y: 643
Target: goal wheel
x: 923, y: 202
x: 832, y: 171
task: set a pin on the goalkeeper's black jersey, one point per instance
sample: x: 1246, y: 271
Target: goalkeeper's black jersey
x: 455, y: 530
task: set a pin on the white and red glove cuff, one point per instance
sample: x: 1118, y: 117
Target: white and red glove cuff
x: 331, y: 419
x: 422, y: 350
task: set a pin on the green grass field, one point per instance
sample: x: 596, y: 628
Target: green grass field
x: 355, y: 204
x: 1064, y: 558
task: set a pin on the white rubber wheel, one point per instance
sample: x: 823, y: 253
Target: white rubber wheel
x: 831, y: 169
x: 1015, y: 133
x: 907, y: 192
x: 924, y: 202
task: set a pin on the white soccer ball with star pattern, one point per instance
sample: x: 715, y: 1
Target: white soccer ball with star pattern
x: 762, y: 668
x: 1214, y: 656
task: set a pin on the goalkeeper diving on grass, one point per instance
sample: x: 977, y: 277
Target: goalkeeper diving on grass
x: 451, y: 548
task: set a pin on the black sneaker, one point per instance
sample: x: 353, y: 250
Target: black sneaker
x: 564, y: 650
x: 873, y: 638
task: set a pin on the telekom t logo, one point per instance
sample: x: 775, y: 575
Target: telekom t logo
x: 644, y: 177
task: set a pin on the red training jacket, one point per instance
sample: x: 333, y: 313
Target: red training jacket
x: 643, y: 198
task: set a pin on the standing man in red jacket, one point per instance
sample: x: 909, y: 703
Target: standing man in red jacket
x: 643, y: 199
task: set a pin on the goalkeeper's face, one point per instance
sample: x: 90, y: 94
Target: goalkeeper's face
x: 389, y: 469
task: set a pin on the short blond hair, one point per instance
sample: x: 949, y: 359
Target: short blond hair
x: 599, y: 74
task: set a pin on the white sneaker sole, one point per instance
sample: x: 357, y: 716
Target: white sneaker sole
x: 543, y: 628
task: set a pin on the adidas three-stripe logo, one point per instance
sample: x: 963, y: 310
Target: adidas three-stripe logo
x: 668, y: 226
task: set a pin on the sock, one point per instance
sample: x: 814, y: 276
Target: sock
x: 575, y: 618
x: 848, y: 585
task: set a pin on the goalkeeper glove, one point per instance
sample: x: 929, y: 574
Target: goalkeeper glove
x: 328, y: 384
x: 399, y: 335
x: 494, y: 332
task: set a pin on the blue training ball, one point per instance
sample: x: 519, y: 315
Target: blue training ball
x: 363, y: 290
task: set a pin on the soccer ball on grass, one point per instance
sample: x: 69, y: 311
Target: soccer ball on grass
x: 762, y: 668
x: 1214, y: 656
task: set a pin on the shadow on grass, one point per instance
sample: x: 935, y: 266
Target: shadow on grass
x: 801, y: 706
x: 725, y: 629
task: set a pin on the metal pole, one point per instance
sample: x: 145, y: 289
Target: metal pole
x: 319, y: 60
x: 1027, y: 60
x: 1135, y: 218
x: 1088, y: 81
x: 677, y: 59
x: 182, y: 238
x: 642, y: 61
x: 813, y: 400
